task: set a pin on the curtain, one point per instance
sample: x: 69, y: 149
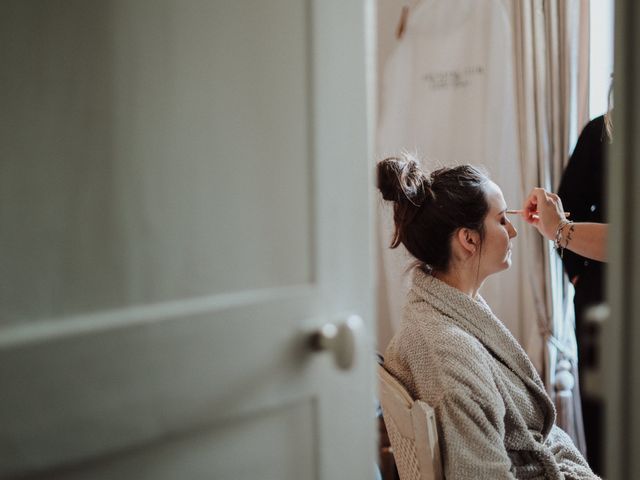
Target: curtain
x: 551, y: 64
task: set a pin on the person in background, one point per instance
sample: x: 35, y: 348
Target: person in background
x: 582, y: 244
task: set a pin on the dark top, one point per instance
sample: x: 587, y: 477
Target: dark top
x: 582, y: 193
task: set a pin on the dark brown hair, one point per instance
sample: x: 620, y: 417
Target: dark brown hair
x: 429, y: 209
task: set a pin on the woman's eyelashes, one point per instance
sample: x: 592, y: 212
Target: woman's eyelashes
x: 503, y: 220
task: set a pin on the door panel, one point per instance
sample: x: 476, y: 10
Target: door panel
x: 617, y: 367
x: 121, y: 379
x: 281, y: 443
x: 139, y: 111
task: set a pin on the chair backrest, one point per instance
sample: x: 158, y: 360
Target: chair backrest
x: 411, y: 425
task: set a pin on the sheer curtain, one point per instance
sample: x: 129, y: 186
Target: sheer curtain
x: 551, y: 40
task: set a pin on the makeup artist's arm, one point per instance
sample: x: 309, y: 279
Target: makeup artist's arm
x: 544, y: 211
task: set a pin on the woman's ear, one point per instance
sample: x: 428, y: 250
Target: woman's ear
x: 469, y: 240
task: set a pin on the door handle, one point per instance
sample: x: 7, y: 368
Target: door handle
x: 339, y: 339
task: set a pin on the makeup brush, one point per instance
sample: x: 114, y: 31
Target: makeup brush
x: 520, y: 212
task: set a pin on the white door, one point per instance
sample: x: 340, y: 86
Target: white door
x: 619, y: 373
x: 184, y: 198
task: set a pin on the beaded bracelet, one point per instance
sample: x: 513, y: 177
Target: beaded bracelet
x: 557, y: 242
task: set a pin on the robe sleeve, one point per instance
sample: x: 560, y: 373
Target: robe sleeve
x: 570, y: 462
x: 472, y: 429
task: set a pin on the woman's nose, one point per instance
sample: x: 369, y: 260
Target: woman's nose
x: 512, y: 231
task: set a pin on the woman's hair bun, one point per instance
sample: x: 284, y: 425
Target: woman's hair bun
x: 400, y: 179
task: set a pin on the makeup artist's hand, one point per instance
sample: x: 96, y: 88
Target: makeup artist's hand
x: 544, y: 211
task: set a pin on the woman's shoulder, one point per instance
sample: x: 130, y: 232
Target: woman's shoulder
x: 438, y: 356
x: 596, y: 123
x: 424, y: 324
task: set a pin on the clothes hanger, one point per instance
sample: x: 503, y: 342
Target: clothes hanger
x: 402, y: 23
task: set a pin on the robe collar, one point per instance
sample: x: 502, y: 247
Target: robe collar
x: 476, y: 318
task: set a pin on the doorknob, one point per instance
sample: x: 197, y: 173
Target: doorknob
x: 339, y: 339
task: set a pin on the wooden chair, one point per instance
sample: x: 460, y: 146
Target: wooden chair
x: 411, y: 425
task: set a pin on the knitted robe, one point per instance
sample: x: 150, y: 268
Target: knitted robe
x: 495, y: 419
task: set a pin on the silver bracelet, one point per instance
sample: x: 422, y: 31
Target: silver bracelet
x: 557, y: 242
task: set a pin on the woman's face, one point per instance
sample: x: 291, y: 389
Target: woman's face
x: 496, y: 246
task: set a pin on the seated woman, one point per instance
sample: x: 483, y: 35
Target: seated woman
x: 494, y: 416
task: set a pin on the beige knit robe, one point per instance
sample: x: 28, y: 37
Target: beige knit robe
x: 495, y: 419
